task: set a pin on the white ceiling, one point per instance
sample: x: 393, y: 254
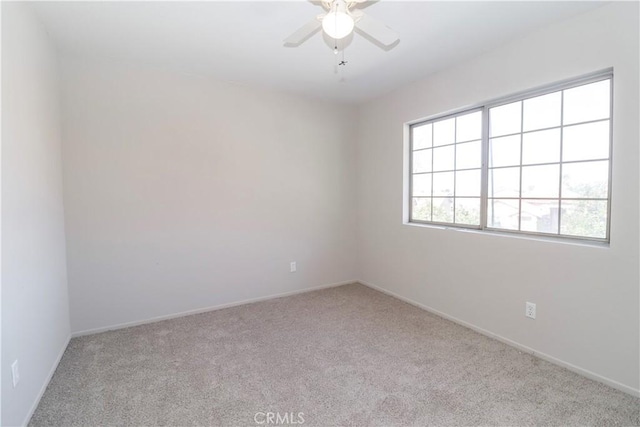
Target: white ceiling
x: 242, y: 41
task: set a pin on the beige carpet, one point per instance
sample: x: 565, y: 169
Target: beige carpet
x: 340, y: 356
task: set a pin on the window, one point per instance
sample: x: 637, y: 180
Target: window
x: 536, y: 163
x: 447, y: 170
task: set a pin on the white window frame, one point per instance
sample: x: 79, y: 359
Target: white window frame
x: 484, y: 197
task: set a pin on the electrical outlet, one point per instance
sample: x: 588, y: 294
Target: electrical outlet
x: 15, y: 373
x: 293, y: 266
x: 530, y: 310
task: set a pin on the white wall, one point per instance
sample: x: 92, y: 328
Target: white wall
x: 587, y: 297
x: 184, y: 193
x: 35, y: 319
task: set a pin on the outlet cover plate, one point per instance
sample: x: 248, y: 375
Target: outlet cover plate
x: 530, y: 310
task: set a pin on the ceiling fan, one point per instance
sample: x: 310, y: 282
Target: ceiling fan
x: 339, y: 20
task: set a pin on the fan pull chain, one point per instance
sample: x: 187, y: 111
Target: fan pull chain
x: 342, y: 63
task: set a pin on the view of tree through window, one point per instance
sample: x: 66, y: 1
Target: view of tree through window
x: 546, y: 166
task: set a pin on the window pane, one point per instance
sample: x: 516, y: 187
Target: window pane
x: 541, y: 181
x: 443, y: 158
x: 469, y: 155
x: 542, y: 111
x: 539, y: 215
x: 421, y: 185
x: 585, y: 180
x: 467, y: 211
x: 468, y: 183
x: 443, y: 209
x: 421, y: 209
x: 503, y: 213
x: 504, y: 182
x: 422, y: 161
x: 444, y: 132
x: 421, y: 136
x: 586, y: 142
x: 588, y: 102
x: 505, y: 119
x: 443, y: 184
x: 541, y: 147
x: 504, y: 151
x: 469, y: 127
x: 586, y: 218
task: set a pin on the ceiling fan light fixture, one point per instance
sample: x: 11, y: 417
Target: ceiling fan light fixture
x: 338, y: 24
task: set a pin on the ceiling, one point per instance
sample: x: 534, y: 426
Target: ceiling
x: 242, y: 41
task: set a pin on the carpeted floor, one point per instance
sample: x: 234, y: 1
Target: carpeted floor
x: 340, y: 356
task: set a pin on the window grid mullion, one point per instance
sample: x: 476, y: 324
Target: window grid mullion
x: 455, y: 175
x: 433, y: 134
x: 549, y: 198
x: 543, y: 164
x: 521, y: 157
x: 587, y: 122
x: 484, y: 174
x: 560, y: 178
x: 474, y: 169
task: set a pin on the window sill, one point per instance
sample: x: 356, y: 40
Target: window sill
x: 508, y: 235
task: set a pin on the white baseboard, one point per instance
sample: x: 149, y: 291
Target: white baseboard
x: 584, y: 372
x: 206, y: 309
x: 36, y: 402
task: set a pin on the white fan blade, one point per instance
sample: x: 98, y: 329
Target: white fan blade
x: 376, y: 30
x: 303, y: 33
x: 361, y: 4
